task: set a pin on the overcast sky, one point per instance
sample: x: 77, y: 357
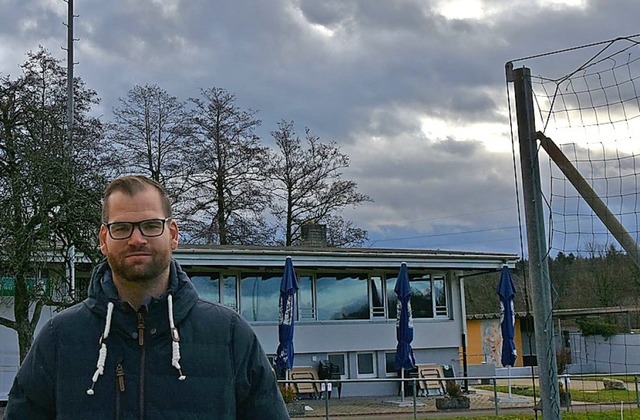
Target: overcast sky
x: 413, y: 91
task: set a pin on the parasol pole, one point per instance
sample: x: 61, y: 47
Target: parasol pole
x: 509, y: 374
x: 402, y: 384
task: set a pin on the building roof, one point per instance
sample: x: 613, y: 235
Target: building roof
x: 315, y: 257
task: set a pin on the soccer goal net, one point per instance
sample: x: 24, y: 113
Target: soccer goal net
x: 590, y: 110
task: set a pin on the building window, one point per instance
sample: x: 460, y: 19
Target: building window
x: 390, y: 363
x: 340, y: 360
x: 260, y: 297
x: 392, y: 299
x: 377, y: 297
x: 428, y: 296
x: 440, y: 296
x: 229, y: 294
x: 208, y: 287
x: 422, y: 296
x: 342, y: 297
x: 306, y: 308
x: 366, y: 365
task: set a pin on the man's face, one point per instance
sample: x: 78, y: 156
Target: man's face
x: 138, y: 258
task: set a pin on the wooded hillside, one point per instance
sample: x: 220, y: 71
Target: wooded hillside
x: 606, y: 277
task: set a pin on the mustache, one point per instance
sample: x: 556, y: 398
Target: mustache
x: 136, y: 249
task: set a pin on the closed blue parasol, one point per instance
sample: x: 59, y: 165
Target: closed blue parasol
x: 288, y: 288
x: 507, y: 292
x: 404, y: 325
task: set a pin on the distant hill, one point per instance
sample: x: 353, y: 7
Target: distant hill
x: 605, y: 278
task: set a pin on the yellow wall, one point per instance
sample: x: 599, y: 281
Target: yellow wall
x: 484, y: 341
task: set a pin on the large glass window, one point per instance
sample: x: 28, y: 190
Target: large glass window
x: 428, y: 296
x: 366, y: 365
x: 259, y: 297
x: 421, y: 296
x: 229, y: 295
x: 306, y: 308
x: 342, y: 297
x: 208, y: 287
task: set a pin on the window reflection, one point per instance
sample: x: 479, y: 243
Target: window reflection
x: 366, y: 366
x: 329, y: 297
x: 340, y: 360
x: 440, y: 295
x: 306, y: 310
x: 377, y: 298
x: 260, y: 297
x: 421, y: 300
x: 428, y: 296
x: 207, y: 287
x: 229, y: 294
x: 342, y: 297
x: 392, y: 299
x: 390, y: 362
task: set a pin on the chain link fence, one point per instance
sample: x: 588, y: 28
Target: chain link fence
x: 496, y: 395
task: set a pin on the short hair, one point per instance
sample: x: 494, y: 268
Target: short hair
x: 131, y: 185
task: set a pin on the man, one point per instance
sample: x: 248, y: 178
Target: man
x: 142, y: 345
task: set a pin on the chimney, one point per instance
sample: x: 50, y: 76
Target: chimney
x: 314, y: 234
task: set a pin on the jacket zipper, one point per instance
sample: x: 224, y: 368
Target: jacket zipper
x: 141, y: 328
x: 120, y: 376
x: 120, y: 386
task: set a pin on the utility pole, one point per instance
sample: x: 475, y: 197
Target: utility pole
x: 70, y: 63
x: 71, y: 252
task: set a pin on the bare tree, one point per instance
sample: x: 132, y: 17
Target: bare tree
x: 48, y: 196
x: 343, y: 233
x: 152, y: 136
x: 227, y: 199
x: 308, y: 186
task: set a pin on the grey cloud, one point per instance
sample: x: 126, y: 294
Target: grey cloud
x: 367, y: 80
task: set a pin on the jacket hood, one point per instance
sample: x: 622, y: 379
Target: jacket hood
x: 102, y: 290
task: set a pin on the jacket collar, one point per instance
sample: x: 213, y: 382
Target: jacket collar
x: 102, y: 290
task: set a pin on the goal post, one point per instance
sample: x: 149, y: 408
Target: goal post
x: 605, y: 215
x: 537, y: 247
x: 586, y: 101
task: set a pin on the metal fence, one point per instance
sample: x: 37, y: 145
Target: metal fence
x: 495, y: 395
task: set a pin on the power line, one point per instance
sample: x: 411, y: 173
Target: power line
x: 451, y: 216
x: 446, y: 234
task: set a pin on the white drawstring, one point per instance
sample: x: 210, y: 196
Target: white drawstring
x: 102, y: 356
x: 175, y: 337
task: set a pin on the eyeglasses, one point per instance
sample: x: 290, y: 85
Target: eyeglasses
x: 149, y: 228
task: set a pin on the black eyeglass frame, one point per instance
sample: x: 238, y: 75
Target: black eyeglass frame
x: 139, y: 226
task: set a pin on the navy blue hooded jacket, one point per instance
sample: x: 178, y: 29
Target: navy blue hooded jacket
x: 227, y: 375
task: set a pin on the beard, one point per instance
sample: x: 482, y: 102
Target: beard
x: 140, y: 272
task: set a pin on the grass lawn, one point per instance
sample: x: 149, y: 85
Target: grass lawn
x: 596, y: 415
x: 608, y: 396
x: 600, y: 396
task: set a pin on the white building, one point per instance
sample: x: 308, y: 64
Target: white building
x: 346, y: 304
